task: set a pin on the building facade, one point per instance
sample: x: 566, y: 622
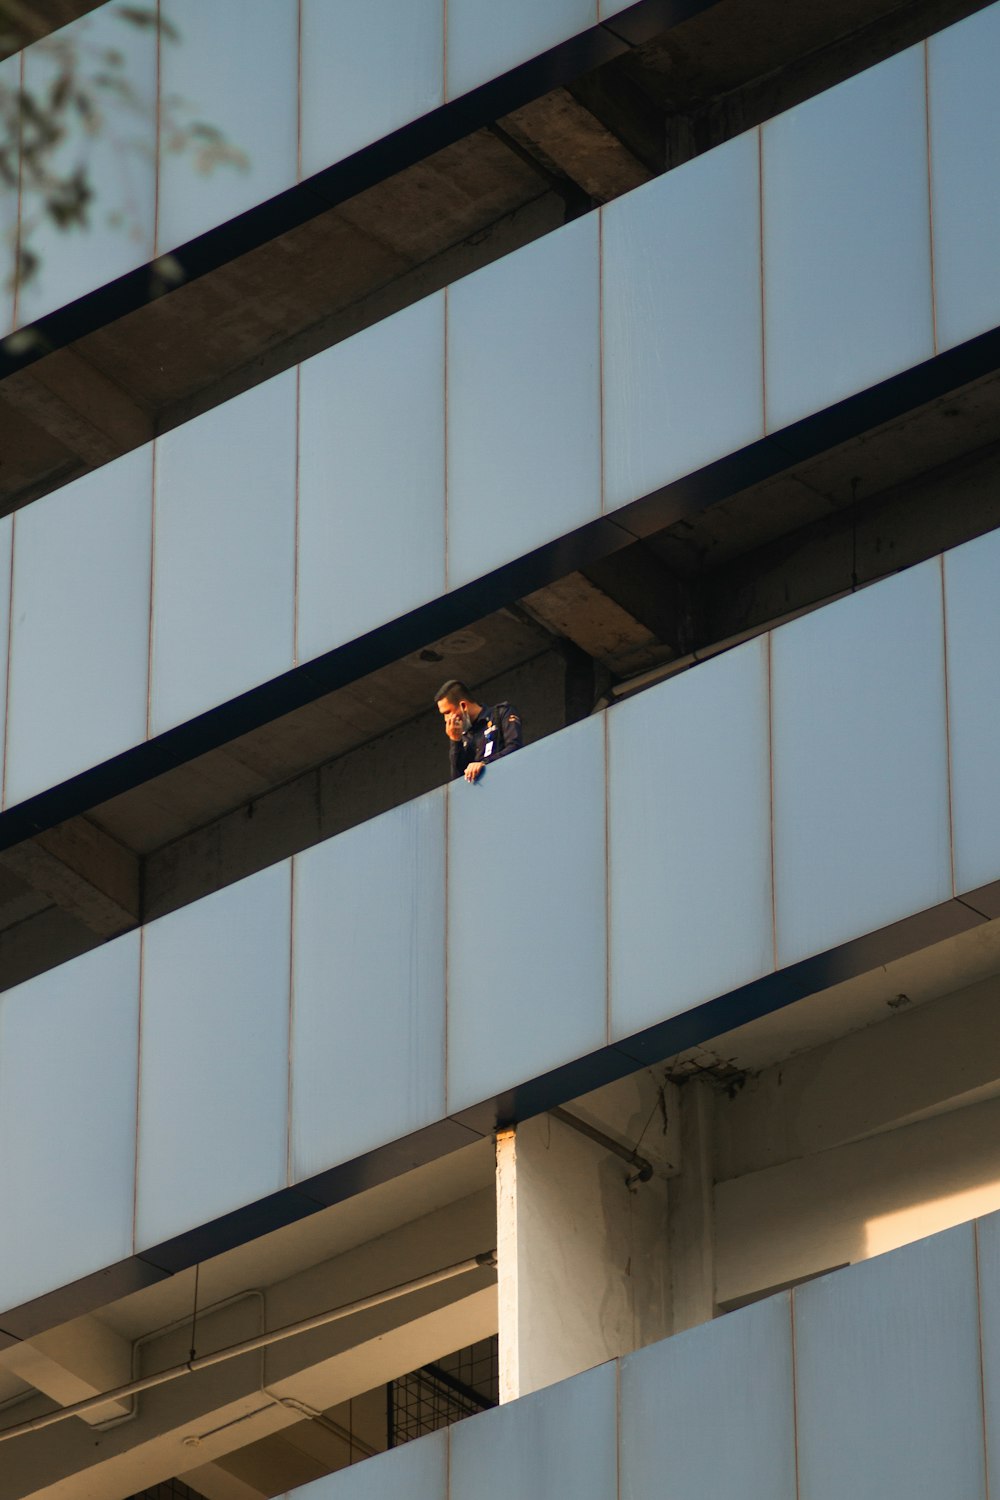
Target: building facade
x: 639, y: 1105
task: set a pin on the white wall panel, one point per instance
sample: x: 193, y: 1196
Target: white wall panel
x: 371, y: 466
x: 6, y: 546
x: 972, y: 603
x: 68, y: 1054
x: 368, y: 1011
x: 524, y: 449
x: 10, y: 78
x: 368, y: 67
x: 485, y: 38
x: 414, y: 1471
x: 116, y: 60
x: 711, y: 1411
x: 683, y: 375
x: 231, y: 66
x: 80, y: 635
x: 847, y: 288
x: 224, y: 553
x: 213, y: 1090
x: 963, y: 64
x: 690, y: 839
x: 988, y: 1236
x: 558, y: 1442
x: 526, y: 915
x: 861, y: 831
x: 887, y: 1377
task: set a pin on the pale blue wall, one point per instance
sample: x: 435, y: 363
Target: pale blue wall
x: 617, y: 900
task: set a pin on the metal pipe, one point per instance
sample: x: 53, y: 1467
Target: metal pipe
x: 644, y: 1168
x: 327, y: 1423
x: 248, y: 1346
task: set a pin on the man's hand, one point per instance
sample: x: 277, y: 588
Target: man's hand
x: 453, y: 726
x: 475, y: 770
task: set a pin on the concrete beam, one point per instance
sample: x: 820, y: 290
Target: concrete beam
x: 691, y: 1237
x: 47, y: 937
x: 931, y: 1059
x: 80, y: 406
x: 585, y: 614
x: 74, y: 1362
x: 573, y: 141
x: 215, y: 1482
x: 666, y: 603
x: 855, y: 515
x: 810, y: 1215
x: 84, y: 872
x: 31, y: 19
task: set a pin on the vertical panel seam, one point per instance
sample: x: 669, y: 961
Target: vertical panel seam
x: 157, y: 129
x: 795, y: 1392
x: 19, y: 207
x: 447, y: 1463
x: 447, y: 943
x: 930, y: 195
x: 289, y: 1081
x: 295, y: 523
x: 760, y: 256
x: 607, y: 879
x: 982, y: 1359
x: 7, y: 669
x: 138, y: 1089
x: 947, y: 725
x: 298, y: 87
x: 444, y: 51
x: 618, y: 1429
x: 153, y: 477
x: 446, y: 322
x: 600, y: 358
x: 770, y: 765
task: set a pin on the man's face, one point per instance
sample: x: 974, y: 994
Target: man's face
x: 455, y: 716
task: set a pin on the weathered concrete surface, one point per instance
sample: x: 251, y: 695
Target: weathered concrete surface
x: 581, y: 1272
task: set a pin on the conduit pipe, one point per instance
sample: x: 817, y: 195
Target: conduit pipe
x: 248, y: 1346
x: 644, y: 1168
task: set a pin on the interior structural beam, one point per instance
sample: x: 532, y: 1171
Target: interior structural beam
x: 683, y: 499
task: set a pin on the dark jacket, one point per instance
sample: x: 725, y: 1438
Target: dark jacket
x: 496, y: 732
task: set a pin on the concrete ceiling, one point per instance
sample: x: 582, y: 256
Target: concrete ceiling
x: 27, y: 20
x: 867, y: 1000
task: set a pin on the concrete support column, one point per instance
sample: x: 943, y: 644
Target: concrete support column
x: 582, y: 1266
x: 691, y: 1236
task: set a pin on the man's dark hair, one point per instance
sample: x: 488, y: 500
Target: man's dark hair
x: 453, y: 692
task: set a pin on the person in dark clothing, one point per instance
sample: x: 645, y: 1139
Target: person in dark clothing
x: 478, y: 735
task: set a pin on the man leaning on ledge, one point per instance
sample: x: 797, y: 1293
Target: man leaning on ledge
x: 478, y: 735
